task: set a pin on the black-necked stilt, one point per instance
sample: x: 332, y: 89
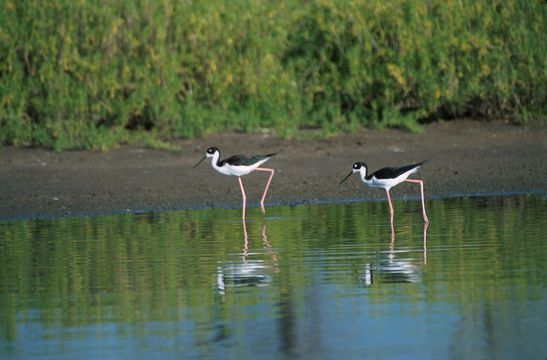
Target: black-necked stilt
x: 387, y: 178
x: 239, y: 165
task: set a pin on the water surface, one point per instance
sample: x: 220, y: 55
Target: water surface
x: 312, y: 281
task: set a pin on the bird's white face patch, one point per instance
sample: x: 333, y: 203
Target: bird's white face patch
x: 359, y: 167
x: 211, y: 152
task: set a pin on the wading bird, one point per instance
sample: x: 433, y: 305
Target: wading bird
x: 239, y: 165
x: 387, y: 178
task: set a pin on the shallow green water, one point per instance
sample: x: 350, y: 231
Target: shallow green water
x: 312, y: 281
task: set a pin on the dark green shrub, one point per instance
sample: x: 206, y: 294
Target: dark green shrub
x: 90, y: 74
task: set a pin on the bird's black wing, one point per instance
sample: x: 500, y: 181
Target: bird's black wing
x: 393, y: 172
x: 244, y: 160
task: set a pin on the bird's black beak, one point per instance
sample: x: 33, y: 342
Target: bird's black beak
x: 199, y: 162
x: 346, y: 177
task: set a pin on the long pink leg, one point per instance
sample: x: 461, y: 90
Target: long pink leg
x: 272, y: 171
x: 422, y: 192
x: 390, y: 206
x: 243, y: 195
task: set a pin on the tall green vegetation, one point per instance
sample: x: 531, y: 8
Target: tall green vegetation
x: 89, y: 73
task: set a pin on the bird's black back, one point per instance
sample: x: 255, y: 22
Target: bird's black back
x: 244, y: 160
x: 393, y: 172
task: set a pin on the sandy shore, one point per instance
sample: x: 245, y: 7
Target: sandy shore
x: 465, y: 157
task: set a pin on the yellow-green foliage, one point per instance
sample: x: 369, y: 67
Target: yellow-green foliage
x: 86, y: 73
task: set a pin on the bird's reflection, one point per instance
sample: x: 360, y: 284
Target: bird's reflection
x: 248, y: 272
x: 394, y: 269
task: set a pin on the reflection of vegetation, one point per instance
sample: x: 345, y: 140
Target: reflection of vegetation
x: 127, y: 268
x: 90, y: 74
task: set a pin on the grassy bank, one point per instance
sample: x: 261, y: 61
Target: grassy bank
x: 90, y: 74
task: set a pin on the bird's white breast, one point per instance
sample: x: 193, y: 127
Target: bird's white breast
x: 238, y: 170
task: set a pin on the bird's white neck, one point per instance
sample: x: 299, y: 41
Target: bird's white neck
x: 214, y: 159
x: 363, y: 175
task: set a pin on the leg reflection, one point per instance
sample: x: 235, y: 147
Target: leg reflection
x: 392, y: 237
x: 392, y: 267
x: 267, y: 245
x: 425, y: 242
x: 245, y: 239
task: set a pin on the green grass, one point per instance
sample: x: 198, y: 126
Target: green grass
x: 92, y: 74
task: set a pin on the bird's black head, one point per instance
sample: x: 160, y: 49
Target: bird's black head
x: 358, y: 165
x: 209, y: 153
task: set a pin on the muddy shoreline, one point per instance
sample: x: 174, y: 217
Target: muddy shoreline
x: 465, y: 157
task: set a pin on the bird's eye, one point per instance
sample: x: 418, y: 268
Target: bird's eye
x: 210, y: 150
x: 356, y: 166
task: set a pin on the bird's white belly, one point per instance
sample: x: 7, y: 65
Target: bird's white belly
x: 387, y: 183
x: 238, y: 170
